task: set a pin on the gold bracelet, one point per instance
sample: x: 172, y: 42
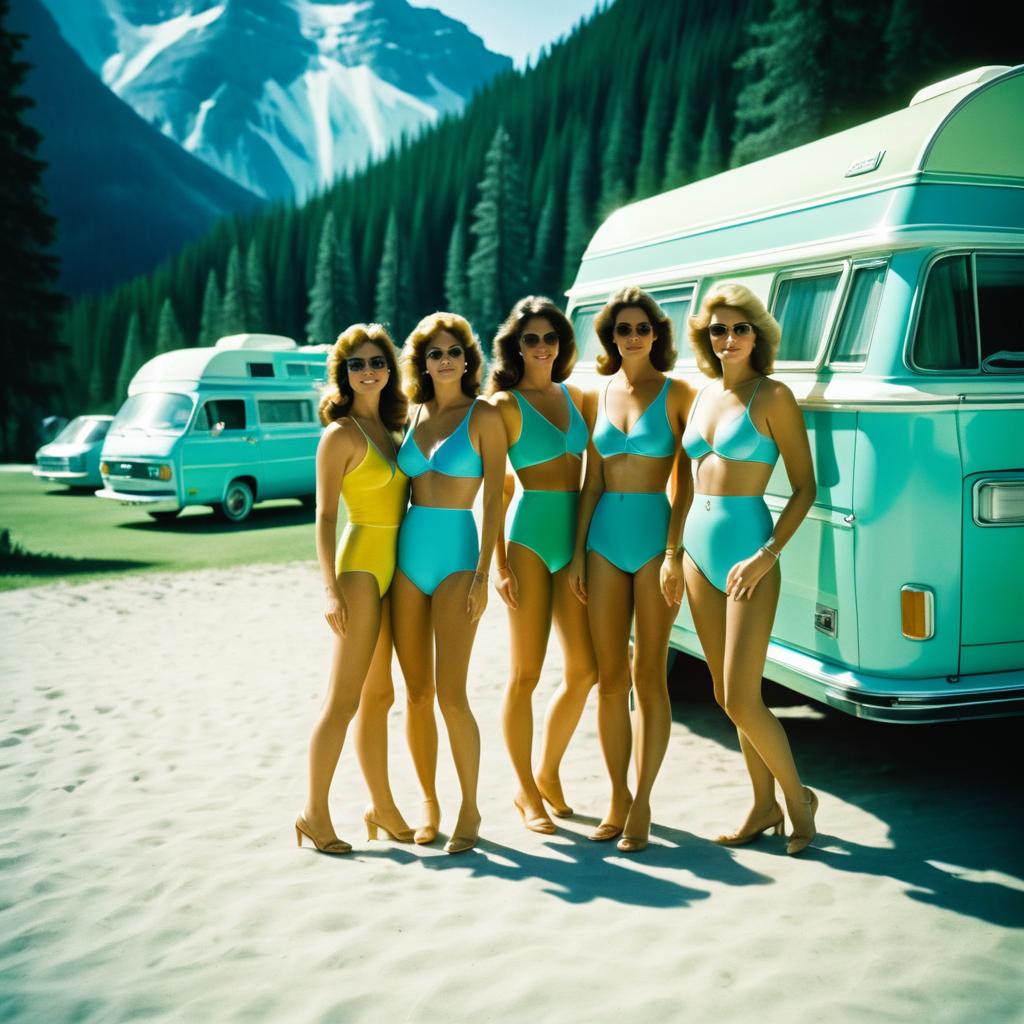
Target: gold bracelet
x: 767, y: 550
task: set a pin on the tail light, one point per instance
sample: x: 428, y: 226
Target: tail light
x: 917, y: 612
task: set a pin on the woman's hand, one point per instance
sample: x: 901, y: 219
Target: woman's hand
x: 578, y: 577
x: 508, y: 587
x: 336, y: 613
x: 476, y: 602
x: 744, y: 576
x: 672, y: 578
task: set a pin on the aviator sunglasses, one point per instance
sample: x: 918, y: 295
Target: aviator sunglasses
x: 642, y: 330
x: 740, y: 330
x: 436, y: 354
x: 357, y: 365
x: 533, y: 340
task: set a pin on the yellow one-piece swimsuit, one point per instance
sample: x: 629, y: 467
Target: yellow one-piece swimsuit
x: 375, y: 495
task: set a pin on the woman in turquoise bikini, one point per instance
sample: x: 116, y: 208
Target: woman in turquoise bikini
x: 455, y: 444
x: 627, y: 538
x: 533, y: 352
x: 739, y: 426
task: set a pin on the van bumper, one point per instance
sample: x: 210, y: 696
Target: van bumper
x: 885, y: 698
x: 156, y: 501
x: 62, y: 476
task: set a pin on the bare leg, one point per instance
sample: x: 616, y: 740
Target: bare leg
x: 454, y: 635
x: 748, y: 626
x: 414, y: 645
x: 372, y: 731
x: 568, y: 701
x: 529, y: 625
x: 350, y: 662
x: 610, y: 609
x: 654, y: 620
x: 708, y: 609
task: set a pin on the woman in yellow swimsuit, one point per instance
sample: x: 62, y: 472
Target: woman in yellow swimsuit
x: 356, y: 460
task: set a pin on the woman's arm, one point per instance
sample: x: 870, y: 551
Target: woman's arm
x: 786, y: 424
x: 493, y: 450
x: 593, y: 488
x: 333, y: 458
x: 680, y: 399
x: 512, y: 419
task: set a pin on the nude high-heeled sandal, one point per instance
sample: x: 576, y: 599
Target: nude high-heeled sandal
x: 774, y: 821
x: 801, y: 840
x: 327, y: 846
x: 374, y: 826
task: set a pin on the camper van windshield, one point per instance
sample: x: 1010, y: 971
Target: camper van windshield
x: 83, y: 430
x: 161, y: 413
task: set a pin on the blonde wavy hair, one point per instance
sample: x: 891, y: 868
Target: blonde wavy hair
x: 338, y: 397
x: 735, y: 296
x: 416, y: 382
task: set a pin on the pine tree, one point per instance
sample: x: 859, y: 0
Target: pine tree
x: 331, y: 297
x: 578, y: 228
x: 545, y: 261
x: 909, y: 46
x: 456, y: 289
x: 617, y: 154
x: 784, y: 103
x: 679, y: 158
x: 498, y: 267
x: 210, y: 319
x: 709, y: 155
x: 391, y: 307
x: 131, y: 360
x: 255, y: 288
x: 168, y: 332
x: 652, y: 147
x: 31, y: 303
x: 233, y: 312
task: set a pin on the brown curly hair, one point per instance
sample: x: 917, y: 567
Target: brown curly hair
x: 416, y: 382
x: 338, y: 398
x: 663, y: 353
x: 506, y: 359
x: 735, y: 296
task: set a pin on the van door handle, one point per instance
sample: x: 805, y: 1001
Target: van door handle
x: 250, y: 440
x: 849, y: 519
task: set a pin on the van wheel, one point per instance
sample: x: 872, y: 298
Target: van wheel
x: 237, y: 503
x: 165, y: 517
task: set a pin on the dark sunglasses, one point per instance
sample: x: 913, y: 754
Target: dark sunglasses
x: 641, y: 330
x: 436, y: 354
x: 357, y: 365
x: 533, y: 340
x: 740, y: 330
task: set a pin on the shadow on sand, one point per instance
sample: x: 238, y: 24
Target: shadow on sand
x: 944, y: 792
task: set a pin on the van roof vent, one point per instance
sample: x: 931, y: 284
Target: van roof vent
x: 265, y: 342
x: 976, y: 77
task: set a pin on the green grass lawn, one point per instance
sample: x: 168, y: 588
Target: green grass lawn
x: 58, y: 534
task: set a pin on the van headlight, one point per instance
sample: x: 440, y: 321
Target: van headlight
x: 999, y: 502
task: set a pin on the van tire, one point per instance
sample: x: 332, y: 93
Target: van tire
x: 237, y: 503
x: 165, y: 517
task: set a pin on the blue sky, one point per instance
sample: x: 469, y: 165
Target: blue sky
x: 518, y: 28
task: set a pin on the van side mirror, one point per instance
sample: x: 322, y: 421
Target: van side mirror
x: 217, y: 429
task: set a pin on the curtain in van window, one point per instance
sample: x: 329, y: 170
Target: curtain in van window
x: 802, y: 306
x: 588, y: 346
x: 859, y: 316
x: 1000, y: 300
x: 945, y: 337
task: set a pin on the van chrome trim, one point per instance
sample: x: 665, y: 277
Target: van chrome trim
x: 841, y: 520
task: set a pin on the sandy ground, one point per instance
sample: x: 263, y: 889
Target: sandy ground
x: 152, y: 760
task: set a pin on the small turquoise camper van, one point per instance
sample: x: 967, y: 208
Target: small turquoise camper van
x: 225, y: 426
x: 893, y: 256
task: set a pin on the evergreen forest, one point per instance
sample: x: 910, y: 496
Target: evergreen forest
x: 645, y: 96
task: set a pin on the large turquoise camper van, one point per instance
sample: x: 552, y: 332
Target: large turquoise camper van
x: 225, y: 426
x: 893, y: 256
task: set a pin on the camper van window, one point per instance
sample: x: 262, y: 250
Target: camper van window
x: 587, y: 343
x: 83, y: 430
x: 298, y: 369
x: 676, y: 305
x: 261, y: 369
x: 153, y: 411
x: 229, y: 411
x: 858, y: 322
x: 285, y: 410
x: 803, y: 307
x: 1000, y: 300
x: 946, y: 338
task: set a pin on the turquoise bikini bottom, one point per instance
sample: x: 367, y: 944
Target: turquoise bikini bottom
x: 629, y: 527
x: 433, y: 543
x: 545, y: 522
x: 723, y: 529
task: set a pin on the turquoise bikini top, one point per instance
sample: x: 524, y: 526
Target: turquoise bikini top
x: 541, y: 441
x: 454, y: 456
x: 651, y: 435
x: 738, y: 440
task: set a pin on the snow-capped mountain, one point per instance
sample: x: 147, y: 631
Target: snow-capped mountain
x: 280, y: 95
